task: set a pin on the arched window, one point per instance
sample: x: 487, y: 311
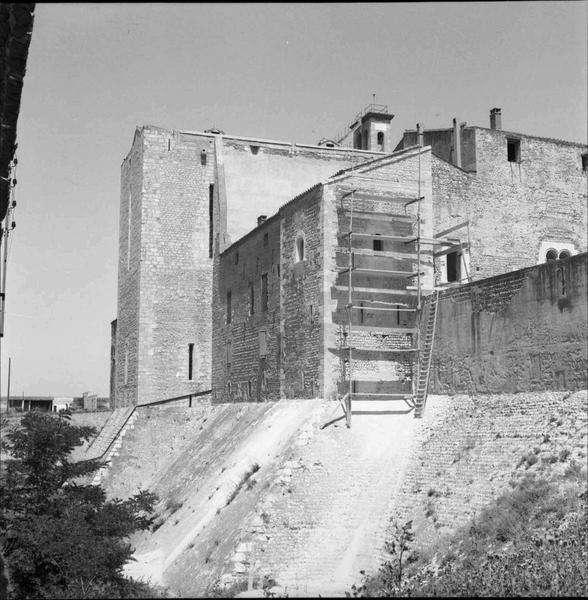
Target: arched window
x: 564, y: 254
x: 300, y: 249
x: 551, y: 254
x: 381, y: 141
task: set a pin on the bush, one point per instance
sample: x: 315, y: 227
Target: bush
x: 61, y: 538
x: 532, y: 542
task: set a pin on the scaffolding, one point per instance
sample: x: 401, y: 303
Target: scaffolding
x: 402, y: 327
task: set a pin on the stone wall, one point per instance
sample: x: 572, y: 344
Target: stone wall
x: 176, y: 267
x: 520, y: 331
x: 246, y: 351
x: 261, y: 176
x: 184, y: 189
x: 383, y: 187
x: 301, y: 295
x: 129, y: 254
x: 513, y: 208
x: 468, y: 450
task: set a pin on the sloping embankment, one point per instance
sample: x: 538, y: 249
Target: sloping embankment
x: 259, y: 490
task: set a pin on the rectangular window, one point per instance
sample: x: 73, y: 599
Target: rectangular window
x: 210, y: 218
x: 130, y: 218
x: 584, y: 162
x: 251, y: 299
x: 513, y: 150
x: 265, y: 239
x: 190, y: 360
x: 453, y: 266
x: 264, y: 292
x: 378, y: 245
x: 228, y: 356
x: 236, y: 258
x: 229, y: 308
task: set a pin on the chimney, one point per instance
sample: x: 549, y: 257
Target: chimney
x: 496, y: 118
x: 419, y: 135
x: 261, y: 219
x: 456, y: 144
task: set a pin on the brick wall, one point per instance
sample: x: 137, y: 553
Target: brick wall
x: 520, y: 331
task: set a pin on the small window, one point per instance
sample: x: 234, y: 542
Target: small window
x: 262, y: 343
x: 236, y: 258
x: 249, y: 389
x: 378, y: 246
x: 228, y: 355
x: 551, y: 254
x: 251, y: 299
x: 265, y: 239
x: 190, y: 360
x: 381, y: 141
x: 229, y: 388
x: 564, y: 254
x: 203, y: 157
x: 264, y: 292
x: 300, y: 249
x: 513, y: 150
x: 584, y: 163
x: 229, y: 307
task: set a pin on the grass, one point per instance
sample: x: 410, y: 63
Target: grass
x: 532, y: 541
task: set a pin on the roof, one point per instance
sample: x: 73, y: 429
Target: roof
x: 16, y: 25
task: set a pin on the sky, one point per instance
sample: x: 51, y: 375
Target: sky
x: 292, y: 72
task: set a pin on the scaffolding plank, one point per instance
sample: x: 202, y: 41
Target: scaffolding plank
x: 382, y: 308
x: 369, y: 290
x: 394, y: 238
x: 449, y: 250
x: 376, y: 329
x: 379, y: 271
x: 451, y: 229
x: 381, y: 350
x: 397, y: 254
x: 373, y: 215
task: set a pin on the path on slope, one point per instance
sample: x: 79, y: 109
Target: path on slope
x: 326, y: 517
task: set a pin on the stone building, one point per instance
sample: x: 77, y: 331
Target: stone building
x: 233, y: 251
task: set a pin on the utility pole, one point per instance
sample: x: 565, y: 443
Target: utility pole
x: 5, y: 230
x: 8, y: 390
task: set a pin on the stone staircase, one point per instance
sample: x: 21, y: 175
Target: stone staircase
x: 109, y: 432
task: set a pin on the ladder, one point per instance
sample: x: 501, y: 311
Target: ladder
x: 426, y: 354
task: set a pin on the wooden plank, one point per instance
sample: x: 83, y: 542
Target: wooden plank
x: 397, y: 254
x: 394, y: 238
x: 376, y: 329
x: 379, y: 271
x: 454, y: 228
x: 384, y: 350
x: 369, y: 290
x: 373, y: 215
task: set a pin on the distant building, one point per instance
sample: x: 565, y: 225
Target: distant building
x: 89, y: 402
